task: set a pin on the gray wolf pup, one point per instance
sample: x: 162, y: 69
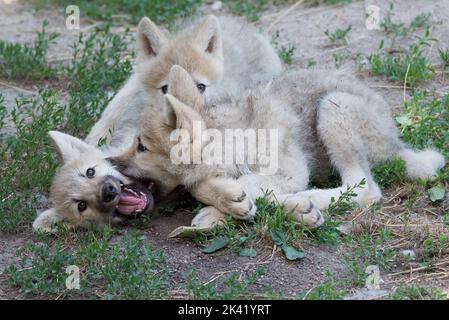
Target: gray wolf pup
x: 324, y: 120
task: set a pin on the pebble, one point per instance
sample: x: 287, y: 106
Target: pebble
x: 410, y: 254
x: 216, y: 5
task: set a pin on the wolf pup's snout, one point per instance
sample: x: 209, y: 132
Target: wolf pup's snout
x: 110, y: 189
x: 108, y: 192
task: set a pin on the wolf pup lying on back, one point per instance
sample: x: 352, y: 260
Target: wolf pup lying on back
x: 223, y: 55
x: 324, y: 119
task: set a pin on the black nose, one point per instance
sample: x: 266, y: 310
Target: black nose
x: 108, y: 192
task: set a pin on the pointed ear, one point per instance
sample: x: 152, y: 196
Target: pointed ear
x: 45, y: 222
x: 182, y: 86
x: 208, y: 36
x: 177, y: 115
x: 150, y: 38
x: 69, y: 147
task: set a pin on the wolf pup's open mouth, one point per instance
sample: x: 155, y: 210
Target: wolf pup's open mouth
x: 134, y: 199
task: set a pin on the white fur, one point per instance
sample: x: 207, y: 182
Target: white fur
x: 422, y: 164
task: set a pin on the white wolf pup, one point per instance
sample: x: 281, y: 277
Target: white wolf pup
x: 324, y: 119
x: 223, y: 55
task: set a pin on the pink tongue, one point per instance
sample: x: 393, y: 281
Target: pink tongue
x: 129, y: 202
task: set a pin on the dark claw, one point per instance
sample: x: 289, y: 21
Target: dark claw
x: 241, y: 198
x: 309, y: 209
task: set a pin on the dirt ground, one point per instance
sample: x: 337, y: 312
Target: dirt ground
x: 304, y: 28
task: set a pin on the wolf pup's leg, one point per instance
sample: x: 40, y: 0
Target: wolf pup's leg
x: 355, y: 130
x: 226, y: 195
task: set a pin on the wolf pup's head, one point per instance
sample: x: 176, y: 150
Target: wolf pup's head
x: 88, y: 191
x: 151, y: 155
x: 197, y: 49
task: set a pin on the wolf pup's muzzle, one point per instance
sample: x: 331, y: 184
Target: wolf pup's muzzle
x: 109, y: 192
x: 127, y: 201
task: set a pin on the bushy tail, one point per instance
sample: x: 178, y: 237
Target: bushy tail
x: 422, y: 164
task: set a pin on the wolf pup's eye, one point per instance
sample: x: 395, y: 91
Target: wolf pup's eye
x: 140, y: 146
x: 90, y: 173
x: 82, y: 205
x: 164, y: 89
x: 201, y: 87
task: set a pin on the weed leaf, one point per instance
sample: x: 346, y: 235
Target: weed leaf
x: 436, y: 194
x: 404, y: 121
x: 292, y: 253
x: 248, y: 252
x: 216, y: 244
x: 278, y: 237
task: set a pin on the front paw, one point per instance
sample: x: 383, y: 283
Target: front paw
x: 208, y: 217
x: 235, y: 202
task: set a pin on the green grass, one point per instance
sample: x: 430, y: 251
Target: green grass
x: 414, y: 292
x: 160, y: 11
x: 128, y: 270
x: 365, y: 250
x: 328, y: 290
x: 28, y: 160
x: 233, y: 288
x: 27, y: 62
x: 249, y: 9
x: 400, y: 29
x: 411, y: 67
x: 391, y: 172
x: 426, y: 120
x: 339, y: 35
x: 444, y: 56
x: 285, y: 52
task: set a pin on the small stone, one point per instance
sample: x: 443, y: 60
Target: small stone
x: 409, y: 254
x: 216, y: 5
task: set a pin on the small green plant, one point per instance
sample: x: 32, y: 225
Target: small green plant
x: 426, y: 121
x: 19, y: 61
x: 413, y: 292
x: 444, y: 56
x: 390, y: 172
x: 345, y: 202
x: 435, y: 247
x: 233, y: 287
x: 339, y: 35
x: 249, y: 9
x: 328, y: 290
x: 410, y: 67
x: 399, y: 29
x: 311, y: 63
x: 339, y: 59
x: 285, y: 53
